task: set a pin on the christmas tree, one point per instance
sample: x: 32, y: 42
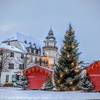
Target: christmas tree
x: 67, y: 71
x: 21, y: 81
x: 24, y: 82
x: 48, y: 85
x: 85, y: 84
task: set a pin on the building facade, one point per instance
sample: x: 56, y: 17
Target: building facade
x: 16, y: 62
x: 11, y: 63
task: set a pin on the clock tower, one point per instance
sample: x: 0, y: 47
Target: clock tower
x: 50, y: 48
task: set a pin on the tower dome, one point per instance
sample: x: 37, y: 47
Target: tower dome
x: 50, y: 35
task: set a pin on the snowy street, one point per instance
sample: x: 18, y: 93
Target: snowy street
x: 19, y: 94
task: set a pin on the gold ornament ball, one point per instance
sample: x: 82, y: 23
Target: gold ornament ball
x: 73, y: 46
x: 64, y: 47
x: 58, y: 81
x: 70, y: 82
x: 61, y: 75
x: 68, y: 56
x: 66, y: 70
x: 69, y: 33
x: 73, y: 89
x: 72, y: 64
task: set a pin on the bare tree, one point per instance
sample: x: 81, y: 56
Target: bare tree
x: 4, y: 58
x: 27, y: 60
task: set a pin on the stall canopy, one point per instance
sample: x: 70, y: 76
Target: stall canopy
x: 37, y: 76
x: 93, y: 72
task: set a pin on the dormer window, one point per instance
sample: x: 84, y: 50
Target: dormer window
x: 12, y: 54
x: 22, y: 56
x: 25, y: 41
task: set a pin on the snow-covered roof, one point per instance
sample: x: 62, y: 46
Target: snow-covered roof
x: 23, y: 47
x: 10, y: 48
x: 22, y: 37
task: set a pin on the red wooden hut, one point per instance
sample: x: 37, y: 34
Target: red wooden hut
x: 93, y: 72
x: 37, y: 76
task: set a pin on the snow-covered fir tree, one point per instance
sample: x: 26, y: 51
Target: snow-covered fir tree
x: 85, y: 84
x: 21, y: 81
x: 48, y: 85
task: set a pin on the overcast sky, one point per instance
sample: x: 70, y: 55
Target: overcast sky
x: 34, y: 18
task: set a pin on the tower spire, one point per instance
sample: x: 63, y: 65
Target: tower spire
x: 70, y: 27
x: 50, y: 31
x: 50, y: 27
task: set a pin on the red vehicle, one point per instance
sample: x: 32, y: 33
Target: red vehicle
x: 93, y: 72
x: 37, y: 76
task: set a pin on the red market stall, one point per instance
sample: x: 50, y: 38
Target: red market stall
x: 93, y: 72
x: 37, y: 76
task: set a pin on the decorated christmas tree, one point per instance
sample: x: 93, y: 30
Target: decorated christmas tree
x: 24, y: 82
x: 48, y: 85
x: 67, y: 71
x: 20, y: 81
x: 85, y: 84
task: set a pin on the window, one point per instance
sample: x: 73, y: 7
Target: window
x: 25, y: 41
x: 13, y: 78
x: 0, y: 64
x: 11, y: 66
x: 22, y: 56
x: 1, y: 53
x: 21, y: 66
x: 7, y: 78
x: 12, y: 54
x: 36, y: 51
x: 35, y: 60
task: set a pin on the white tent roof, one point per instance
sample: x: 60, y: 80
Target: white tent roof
x: 10, y: 48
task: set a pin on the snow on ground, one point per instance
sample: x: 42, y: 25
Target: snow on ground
x: 19, y: 94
